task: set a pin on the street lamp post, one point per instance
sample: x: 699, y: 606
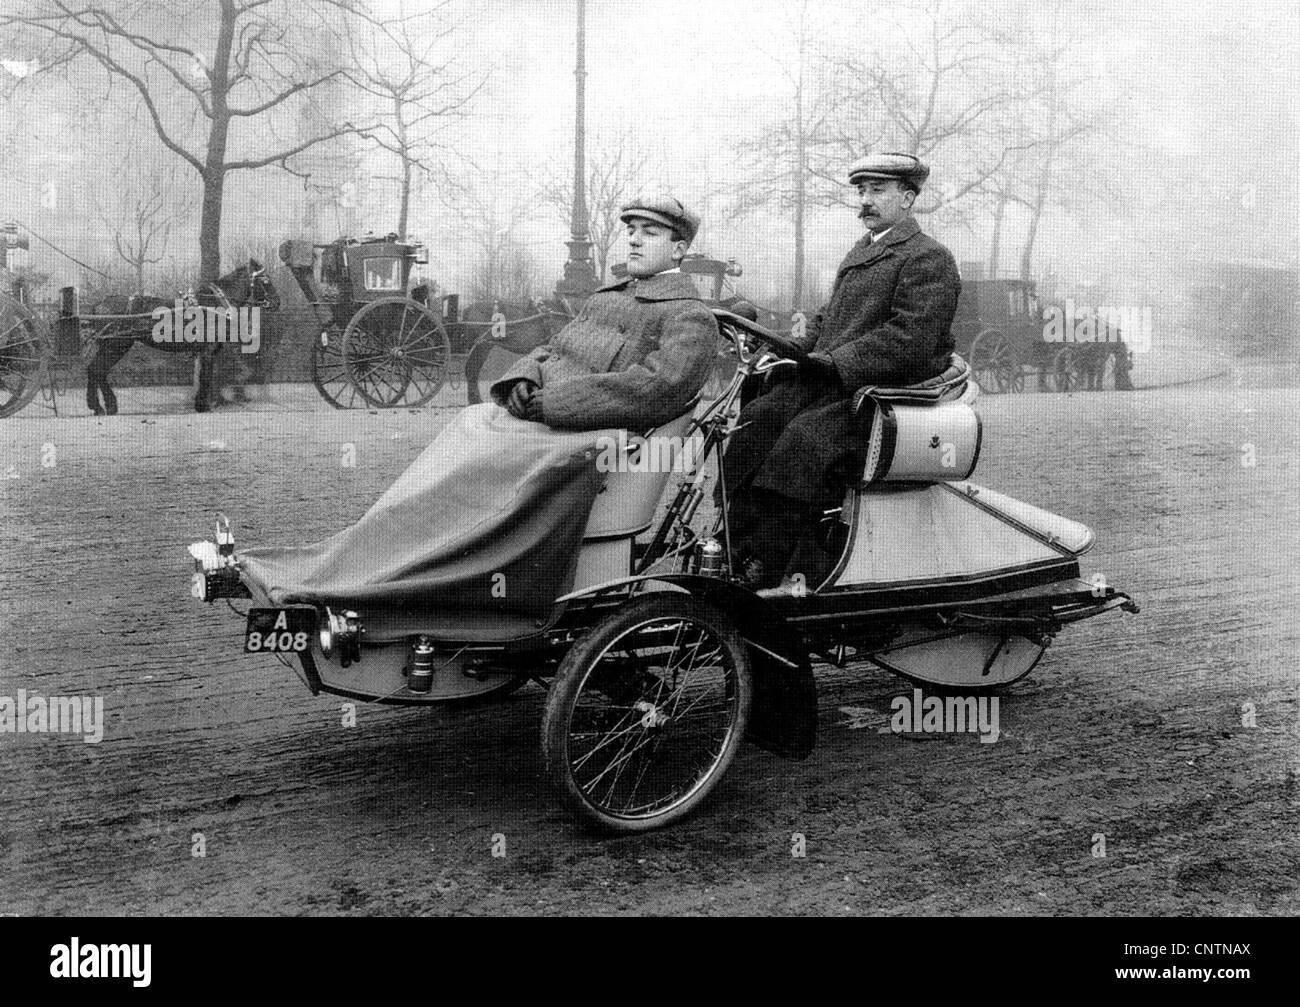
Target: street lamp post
x: 579, y: 280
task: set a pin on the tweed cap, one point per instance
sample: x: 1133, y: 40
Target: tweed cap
x: 901, y: 167
x: 663, y: 209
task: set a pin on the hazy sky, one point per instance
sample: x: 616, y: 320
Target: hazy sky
x: 1204, y: 99
x: 687, y: 77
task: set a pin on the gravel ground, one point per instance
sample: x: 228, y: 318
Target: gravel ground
x: 1133, y: 728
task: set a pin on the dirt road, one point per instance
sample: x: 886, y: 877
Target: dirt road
x: 1131, y: 738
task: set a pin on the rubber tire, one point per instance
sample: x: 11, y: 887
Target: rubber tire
x: 572, y: 674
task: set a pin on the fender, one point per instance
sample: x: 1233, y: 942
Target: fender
x: 783, y: 720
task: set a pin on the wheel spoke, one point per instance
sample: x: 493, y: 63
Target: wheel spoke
x: 653, y: 718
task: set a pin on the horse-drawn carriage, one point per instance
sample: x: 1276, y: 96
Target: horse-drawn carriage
x: 381, y: 343
x: 38, y: 350
x: 1000, y: 329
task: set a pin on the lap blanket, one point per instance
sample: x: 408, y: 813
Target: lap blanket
x: 473, y: 542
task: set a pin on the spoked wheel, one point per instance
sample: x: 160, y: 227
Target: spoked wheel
x: 396, y: 352
x: 24, y: 352
x: 647, y: 711
x: 994, y: 363
x: 330, y: 375
x: 1064, y: 371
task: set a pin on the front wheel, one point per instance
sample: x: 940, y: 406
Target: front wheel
x: 647, y: 711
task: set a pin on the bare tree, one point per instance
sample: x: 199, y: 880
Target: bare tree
x: 491, y: 213
x: 209, y: 80
x: 402, y: 62
x: 779, y: 155
x: 942, y: 93
x: 140, y: 208
x: 1070, y: 141
x: 616, y: 171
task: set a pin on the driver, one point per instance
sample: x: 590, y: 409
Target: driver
x: 888, y: 323
x: 640, y: 349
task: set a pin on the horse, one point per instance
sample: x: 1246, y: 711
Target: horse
x: 247, y: 286
x: 493, y: 352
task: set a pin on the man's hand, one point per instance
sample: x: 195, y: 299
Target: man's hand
x: 517, y: 403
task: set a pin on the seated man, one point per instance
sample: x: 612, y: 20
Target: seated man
x: 888, y: 323
x: 640, y: 349
x: 481, y: 533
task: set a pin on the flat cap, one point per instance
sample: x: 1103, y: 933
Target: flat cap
x: 902, y: 167
x: 663, y: 209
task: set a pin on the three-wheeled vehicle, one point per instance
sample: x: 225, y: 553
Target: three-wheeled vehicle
x: 659, y: 661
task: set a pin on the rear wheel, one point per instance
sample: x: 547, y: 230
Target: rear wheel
x: 994, y: 363
x: 396, y: 352
x: 330, y: 375
x: 647, y: 711
x: 1064, y: 371
x: 24, y: 351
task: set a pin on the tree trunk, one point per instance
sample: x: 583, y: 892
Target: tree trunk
x: 210, y: 224
x: 1044, y: 176
x: 404, y: 147
x: 1040, y: 200
x: 995, y: 251
x: 800, y: 188
x: 214, y: 164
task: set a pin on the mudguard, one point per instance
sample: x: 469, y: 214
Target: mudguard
x: 783, y: 719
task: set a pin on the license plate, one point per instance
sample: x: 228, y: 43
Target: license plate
x: 280, y: 630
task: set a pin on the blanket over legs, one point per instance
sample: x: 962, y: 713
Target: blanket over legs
x: 474, y: 541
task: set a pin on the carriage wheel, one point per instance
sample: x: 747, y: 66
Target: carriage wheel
x: 1064, y: 371
x: 330, y: 375
x: 396, y: 352
x: 646, y: 712
x: 487, y: 362
x: 994, y: 363
x: 24, y: 354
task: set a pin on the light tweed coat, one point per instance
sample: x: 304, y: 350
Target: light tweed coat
x: 636, y: 355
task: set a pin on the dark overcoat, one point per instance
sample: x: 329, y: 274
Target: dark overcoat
x: 888, y: 323
x: 636, y: 356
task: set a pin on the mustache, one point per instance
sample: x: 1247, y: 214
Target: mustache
x: 865, y: 212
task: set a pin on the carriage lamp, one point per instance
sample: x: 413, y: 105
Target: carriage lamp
x: 340, y: 636
x: 420, y: 676
x: 225, y: 537
x: 223, y: 582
